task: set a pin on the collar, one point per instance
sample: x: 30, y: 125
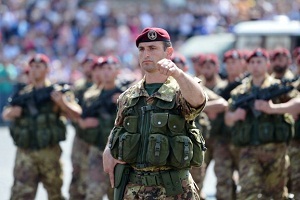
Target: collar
x: 166, y: 92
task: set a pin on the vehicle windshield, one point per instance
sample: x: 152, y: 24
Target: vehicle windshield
x: 268, y: 41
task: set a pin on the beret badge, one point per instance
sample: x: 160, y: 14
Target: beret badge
x: 152, y: 35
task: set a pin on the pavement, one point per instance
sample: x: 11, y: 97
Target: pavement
x: 7, y: 157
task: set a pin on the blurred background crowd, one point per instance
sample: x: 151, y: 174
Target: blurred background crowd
x: 68, y: 30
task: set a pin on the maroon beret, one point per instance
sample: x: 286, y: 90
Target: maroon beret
x: 106, y: 60
x: 40, y: 58
x: 178, y: 58
x: 280, y: 51
x: 152, y: 34
x: 89, y: 58
x: 234, y: 54
x: 298, y: 60
x: 245, y: 53
x: 296, y: 52
x: 196, y: 58
x: 259, y: 52
x: 209, y: 58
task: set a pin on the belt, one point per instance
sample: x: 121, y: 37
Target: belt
x: 157, y: 178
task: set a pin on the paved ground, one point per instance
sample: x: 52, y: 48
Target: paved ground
x: 7, y: 156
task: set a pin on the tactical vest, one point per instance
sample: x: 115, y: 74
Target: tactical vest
x: 263, y: 129
x: 98, y: 136
x: 155, y: 136
x: 36, y: 132
x: 106, y: 114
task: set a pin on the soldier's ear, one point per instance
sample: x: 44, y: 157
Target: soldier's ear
x: 169, y: 51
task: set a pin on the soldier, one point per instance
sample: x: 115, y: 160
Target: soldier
x: 293, y: 149
x: 196, y: 64
x: 218, y: 143
x: 225, y: 154
x: 80, y: 149
x: 215, y: 104
x: 296, y: 59
x: 99, y: 113
x: 37, y: 128
x: 154, y: 130
x: 280, y: 63
x: 262, y: 138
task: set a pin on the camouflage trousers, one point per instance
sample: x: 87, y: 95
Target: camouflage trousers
x: 263, y: 172
x: 34, y: 166
x: 226, y: 163
x: 294, y: 154
x: 98, y: 184
x: 79, y: 158
x: 134, y: 191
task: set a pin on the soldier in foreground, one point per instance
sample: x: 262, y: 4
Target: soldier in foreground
x: 151, y: 142
x: 37, y: 126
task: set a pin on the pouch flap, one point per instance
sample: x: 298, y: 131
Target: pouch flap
x: 176, y: 123
x: 159, y: 119
x: 130, y: 124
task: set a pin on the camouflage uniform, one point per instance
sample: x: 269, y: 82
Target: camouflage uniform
x: 292, y: 150
x: 135, y: 189
x: 294, y: 154
x: 97, y: 182
x: 262, y: 162
x: 37, y: 138
x: 223, y: 152
x: 34, y: 166
x: 80, y: 151
x: 226, y: 159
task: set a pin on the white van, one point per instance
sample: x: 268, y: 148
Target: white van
x: 269, y: 34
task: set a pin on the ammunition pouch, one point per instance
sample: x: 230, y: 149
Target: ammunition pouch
x: 89, y: 135
x: 241, y: 134
x: 40, y: 132
x: 97, y: 136
x: 124, y: 145
x: 171, y: 142
x: 169, y: 179
x: 21, y: 136
x: 266, y: 132
x: 50, y: 130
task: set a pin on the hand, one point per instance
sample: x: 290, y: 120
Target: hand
x: 16, y: 111
x: 264, y: 106
x: 240, y: 114
x: 115, y: 97
x: 109, y: 164
x: 89, y: 122
x: 168, y: 68
x: 57, y: 97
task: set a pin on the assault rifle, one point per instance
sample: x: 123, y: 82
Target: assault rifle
x: 103, y: 103
x: 246, y: 101
x: 36, y: 97
x: 225, y: 93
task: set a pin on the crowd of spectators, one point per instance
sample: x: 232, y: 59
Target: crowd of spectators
x: 67, y: 30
